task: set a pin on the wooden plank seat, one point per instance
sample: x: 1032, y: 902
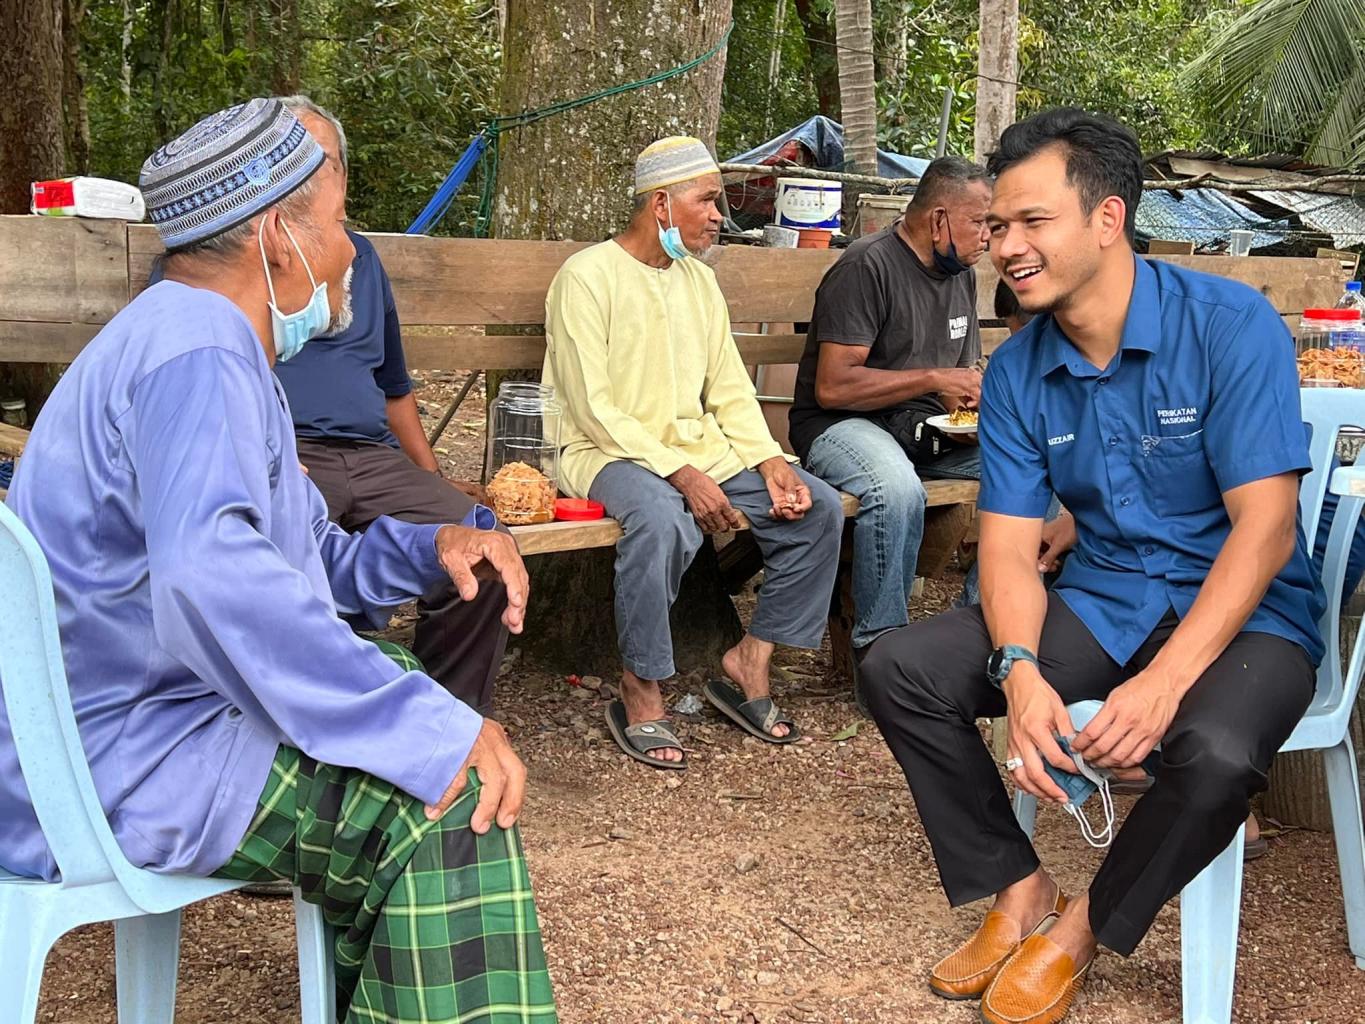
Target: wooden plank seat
x: 545, y: 538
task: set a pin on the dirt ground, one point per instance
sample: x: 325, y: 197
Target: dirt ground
x: 764, y: 884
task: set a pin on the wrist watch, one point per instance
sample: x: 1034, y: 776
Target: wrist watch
x: 1002, y: 659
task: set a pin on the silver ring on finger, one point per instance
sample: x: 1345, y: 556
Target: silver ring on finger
x: 1014, y: 764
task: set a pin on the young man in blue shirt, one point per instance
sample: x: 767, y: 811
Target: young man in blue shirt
x: 361, y: 440
x: 1161, y: 406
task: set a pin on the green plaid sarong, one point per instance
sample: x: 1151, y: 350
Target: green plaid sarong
x: 433, y: 923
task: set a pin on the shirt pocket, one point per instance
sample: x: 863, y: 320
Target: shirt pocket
x: 1178, y: 475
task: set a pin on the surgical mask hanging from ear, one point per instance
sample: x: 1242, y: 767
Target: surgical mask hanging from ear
x: 671, y: 240
x: 294, y: 330
x: 948, y: 263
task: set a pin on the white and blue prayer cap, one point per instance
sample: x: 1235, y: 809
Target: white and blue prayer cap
x: 672, y: 161
x: 225, y: 170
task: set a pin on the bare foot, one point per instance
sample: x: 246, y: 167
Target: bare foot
x: 747, y: 664
x: 1072, y: 931
x: 1028, y: 900
x: 644, y: 703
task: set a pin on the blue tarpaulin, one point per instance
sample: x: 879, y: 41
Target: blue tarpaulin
x: 1203, y: 216
x: 825, y: 140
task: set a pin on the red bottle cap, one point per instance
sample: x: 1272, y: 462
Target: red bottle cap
x: 577, y: 510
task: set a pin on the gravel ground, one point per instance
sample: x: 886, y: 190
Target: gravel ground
x: 765, y: 884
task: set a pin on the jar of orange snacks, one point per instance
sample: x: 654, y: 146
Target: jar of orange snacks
x: 522, y: 470
x: 1331, y: 349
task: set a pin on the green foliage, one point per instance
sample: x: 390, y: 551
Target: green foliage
x: 1079, y: 52
x: 1290, y: 76
x: 753, y: 107
x: 411, y: 81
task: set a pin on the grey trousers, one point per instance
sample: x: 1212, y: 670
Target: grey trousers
x: 800, y: 560
x: 459, y: 643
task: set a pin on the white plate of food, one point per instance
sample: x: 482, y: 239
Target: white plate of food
x: 963, y: 421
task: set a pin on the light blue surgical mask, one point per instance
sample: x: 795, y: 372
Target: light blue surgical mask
x: 671, y: 240
x: 294, y: 330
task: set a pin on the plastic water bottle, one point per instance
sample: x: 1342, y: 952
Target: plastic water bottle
x: 1351, y: 298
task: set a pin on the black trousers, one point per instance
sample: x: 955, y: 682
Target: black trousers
x: 926, y: 685
x: 459, y: 643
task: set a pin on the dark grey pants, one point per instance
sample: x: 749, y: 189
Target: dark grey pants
x: 926, y: 685
x: 661, y: 538
x: 460, y: 644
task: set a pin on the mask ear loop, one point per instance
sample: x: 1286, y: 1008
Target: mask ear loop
x: 265, y: 264
x: 1101, y: 839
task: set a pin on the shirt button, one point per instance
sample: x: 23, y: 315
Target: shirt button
x: 1113, y: 441
x: 1123, y: 502
x: 1149, y: 550
x: 1104, y: 380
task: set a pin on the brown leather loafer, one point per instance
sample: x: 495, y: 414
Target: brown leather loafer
x: 968, y: 970
x: 1036, y: 985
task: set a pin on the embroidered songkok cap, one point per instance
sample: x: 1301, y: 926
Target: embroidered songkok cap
x: 225, y: 170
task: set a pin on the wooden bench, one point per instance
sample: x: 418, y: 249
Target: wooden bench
x: 479, y: 304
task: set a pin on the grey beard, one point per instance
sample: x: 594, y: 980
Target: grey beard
x: 344, y: 314
x: 709, y: 256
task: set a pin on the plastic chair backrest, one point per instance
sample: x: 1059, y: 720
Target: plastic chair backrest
x: 43, y: 724
x: 1327, y: 410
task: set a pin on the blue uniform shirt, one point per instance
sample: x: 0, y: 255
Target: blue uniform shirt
x: 198, y: 585
x: 1201, y: 397
x: 338, y: 383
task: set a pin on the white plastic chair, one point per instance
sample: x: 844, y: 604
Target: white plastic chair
x: 97, y: 882
x: 1210, y: 906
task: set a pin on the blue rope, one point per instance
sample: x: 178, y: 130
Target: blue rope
x: 445, y: 195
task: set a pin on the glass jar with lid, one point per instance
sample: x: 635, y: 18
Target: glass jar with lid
x: 1330, y: 346
x: 14, y: 412
x: 521, y: 473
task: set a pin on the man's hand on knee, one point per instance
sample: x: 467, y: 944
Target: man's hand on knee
x: 1036, y: 716
x: 502, y: 779
x: 705, y: 500
x: 789, y: 493
x: 464, y: 549
x: 1131, y: 723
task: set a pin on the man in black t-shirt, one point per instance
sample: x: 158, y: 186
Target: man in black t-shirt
x: 894, y: 338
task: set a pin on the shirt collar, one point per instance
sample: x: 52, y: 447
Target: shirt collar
x: 1141, y: 327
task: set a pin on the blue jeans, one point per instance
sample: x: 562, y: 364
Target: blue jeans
x: 800, y: 560
x: 858, y: 456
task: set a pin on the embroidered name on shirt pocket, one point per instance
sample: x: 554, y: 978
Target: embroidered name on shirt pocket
x: 1179, y: 477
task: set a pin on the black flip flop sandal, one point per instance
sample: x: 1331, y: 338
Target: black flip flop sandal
x: 756, y: 717
x: 637, y: 740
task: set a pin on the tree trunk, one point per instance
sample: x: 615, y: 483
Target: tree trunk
x: 998, y: 64
x: 32, y: 144
x: 126, y: 58
x: 288, y: 48
x: 73, y: 87
x: 32, y: 139
x: 824, y: 64
x: 570, y: 177
x: 857, y: 95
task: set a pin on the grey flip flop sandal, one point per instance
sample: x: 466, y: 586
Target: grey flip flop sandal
x: 637, y: 740
x: 756, y: 717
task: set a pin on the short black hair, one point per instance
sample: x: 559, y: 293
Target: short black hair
x: 1007, y: 303
x: 1102, y: 156
x: 944, y: 177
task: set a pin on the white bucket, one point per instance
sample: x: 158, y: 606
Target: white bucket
x: 808, y: 203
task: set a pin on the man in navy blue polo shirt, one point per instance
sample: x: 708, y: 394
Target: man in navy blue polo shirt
x: 1161, y: 405
x: 361, y: 440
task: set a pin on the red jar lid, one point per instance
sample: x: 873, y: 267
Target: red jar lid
x: 578, y: 510
x: 1331, y: 314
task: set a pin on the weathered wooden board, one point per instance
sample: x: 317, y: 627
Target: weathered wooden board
x: 544, y: 538
x: 55, y: 273
x: 12, y: 440
x: 62, y: 269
